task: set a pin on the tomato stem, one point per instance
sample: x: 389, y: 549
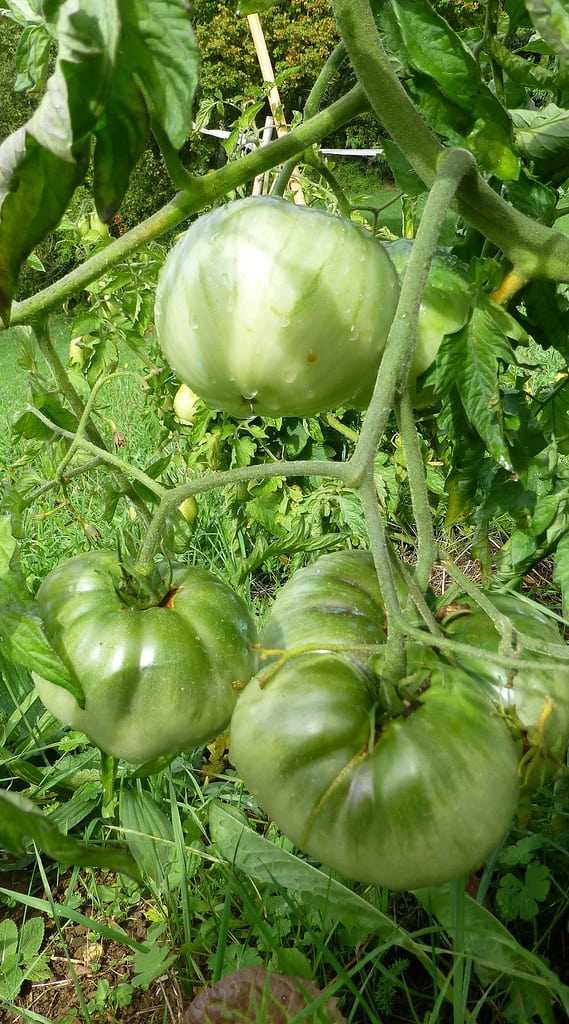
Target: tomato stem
x: 400, y: 347
x: 203, y: 191
x: 538, y: 251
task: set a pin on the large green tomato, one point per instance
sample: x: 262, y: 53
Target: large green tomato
x: 539, y: 698
x: 156, y: 681
x: 270, y: 308
x: 407, y: 798
x: 445, y: 307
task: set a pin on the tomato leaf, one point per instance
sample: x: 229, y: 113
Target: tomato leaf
x: 425, y: 42
x: 155, y: 78
x: 271, y: 865
x: 469, y: 361
x: 22, y: 639
x: 543, y: 136
x: 21, y: 824
x: 32, y: 59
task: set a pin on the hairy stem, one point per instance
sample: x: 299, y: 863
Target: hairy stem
x: 427, y: 545
x: 501, y: 622
x: 204, y: 192
x: 395, y: 653
x: 210, y: 481
x: 125, y: 468
x: 535, y: 250
x: 399, y: 351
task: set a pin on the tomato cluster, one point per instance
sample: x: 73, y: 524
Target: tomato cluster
x: 265, y: 308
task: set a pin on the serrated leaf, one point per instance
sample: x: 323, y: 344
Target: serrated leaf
x: 31, y: 938
x: 22, y: 825
x: 430, y: 47
x: 469, y: 361
x: 8, y: 940
x: 521, y: 852
x: 10, y: 984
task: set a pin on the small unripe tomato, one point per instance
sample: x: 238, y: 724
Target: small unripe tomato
x: 189, y: 509
x: 185, y: 405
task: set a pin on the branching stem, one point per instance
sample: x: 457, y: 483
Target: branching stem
x: 400, y: 348
x: 536, y: 250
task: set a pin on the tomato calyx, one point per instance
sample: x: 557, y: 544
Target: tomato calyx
x: 397, y: 698
x: 139, y: 592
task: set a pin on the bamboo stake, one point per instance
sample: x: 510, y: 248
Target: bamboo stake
x: 275, y: 103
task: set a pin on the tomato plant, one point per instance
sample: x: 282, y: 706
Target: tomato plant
x: 157, y: 679
x: 269, y: 308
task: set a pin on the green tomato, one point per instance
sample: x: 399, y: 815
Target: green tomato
x: 264, y: 307
x: 156, y: 681
x: 189, y: 510
x: 540, y: 699
x: 402, y: 799
x: 445, y: 307
x: 185, y: 405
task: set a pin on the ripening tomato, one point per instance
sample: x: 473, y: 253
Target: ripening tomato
x: 264, y: 307
x: 402, y: 786
x: 156, y: 680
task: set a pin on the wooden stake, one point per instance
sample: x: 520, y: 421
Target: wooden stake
x: 275, y: 104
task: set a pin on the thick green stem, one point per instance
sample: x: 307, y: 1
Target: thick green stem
x: 399, y: 351
x: 210, y: 481
x: 204, y: 192
x: 427, y: 545
x: 394, y: 665
x: 535, y: 250
x: 327, y: 73
x: 502, y: 623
